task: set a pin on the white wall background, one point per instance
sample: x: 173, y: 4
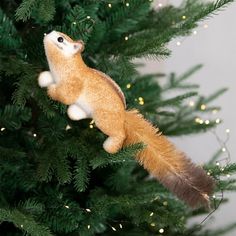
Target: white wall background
x: 215, y: 47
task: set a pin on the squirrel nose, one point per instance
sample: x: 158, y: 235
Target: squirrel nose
x: 48, y: 32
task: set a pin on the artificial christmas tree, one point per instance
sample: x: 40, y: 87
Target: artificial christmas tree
x: 55, y: 177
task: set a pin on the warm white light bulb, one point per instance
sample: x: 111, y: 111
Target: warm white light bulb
x: 178, y: 43
x: 191, y: 103
x: 214, y: 111
x: 68, y: 127
x: 203, y: 107
x: 161, y: 231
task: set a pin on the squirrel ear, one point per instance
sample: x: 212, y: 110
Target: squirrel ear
x: 79, y: 46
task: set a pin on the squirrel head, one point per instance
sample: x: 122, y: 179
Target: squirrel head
x: 59, y: 45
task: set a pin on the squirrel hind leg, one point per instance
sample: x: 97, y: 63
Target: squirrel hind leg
x: 113, y: 144
x: 112, y: 124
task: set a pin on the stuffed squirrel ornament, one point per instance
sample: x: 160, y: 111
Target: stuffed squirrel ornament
x: 90, y: 93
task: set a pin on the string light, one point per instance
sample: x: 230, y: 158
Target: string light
x: 217, y: 121
x: 88, y: 226
x: 88, y: 210
x: 207, y: 122
x: 184, y: 17
x: 208, y: 173
x: 214, y: 111
x: 68, y: 127
x: 201, y: 122
x: 194, y: 32
x: 35, y: 135
x: 205, y: 26
x: 151, y: 214
x: 191, y: 103
x: 203, y: 107
x: 161, y: 231
x: 44, y: 34
x: 141, y: 101
x: 153, y: 224
x: 2, y: 129
x: 217, y: 163
x: 74, y: 23
x: 121, y: 226
x: 160, y: 5
x: 66, y: 206
x: 113, y: 228
x: 91, y: 124
x: 88, y: 17
x: 21, y: 226
x: 128, y: 86
x: 223, y: 149
x: 165, y: 203
x: 127, y: 4
x: 228, y: 175
x: 109, y: 5
x: 227, y: 131
x: 178, y: 43
x: 126, y: 38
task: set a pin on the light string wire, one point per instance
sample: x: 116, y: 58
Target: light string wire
x: 223, y: 144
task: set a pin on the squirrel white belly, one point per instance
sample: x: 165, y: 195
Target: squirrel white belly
x: 92, y: 94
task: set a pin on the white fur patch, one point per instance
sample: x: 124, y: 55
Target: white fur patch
x: 76, y: 113
x: 84, y: 105
x: 45, y: 79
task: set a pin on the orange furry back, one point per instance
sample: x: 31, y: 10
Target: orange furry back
x: 186, y: 180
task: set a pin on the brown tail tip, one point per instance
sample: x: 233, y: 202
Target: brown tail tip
x: 193, y: 185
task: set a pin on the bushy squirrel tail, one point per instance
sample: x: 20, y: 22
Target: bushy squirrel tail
x: 170, y: 166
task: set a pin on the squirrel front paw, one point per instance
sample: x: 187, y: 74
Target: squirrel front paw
x: 45, y: 79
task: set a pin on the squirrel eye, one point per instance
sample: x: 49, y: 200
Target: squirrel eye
x: 60, y: 39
